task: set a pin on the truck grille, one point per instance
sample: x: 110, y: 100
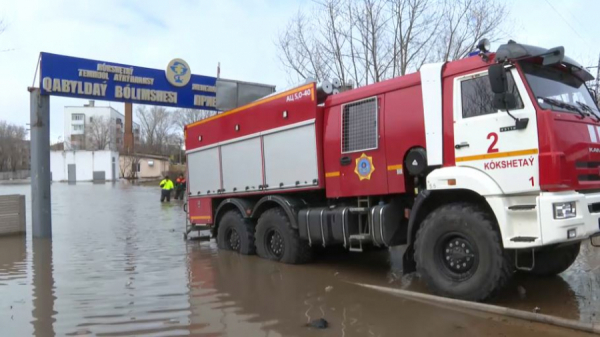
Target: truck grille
x: 589, y: 177
x: 588, y: 170
x: 587, y: 164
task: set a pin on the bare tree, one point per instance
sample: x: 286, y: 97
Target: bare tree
x: 366, y: 41
x: 3, y: 27
x: 101, y: 134
x: 464, y: 23
x: 156, y: 127
x: 299, y: 50
x: 415, y: 24
x: 13, y: 147
x: 128, y: 165
x: 183, y: 117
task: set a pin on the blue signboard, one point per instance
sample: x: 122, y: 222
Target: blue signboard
x: 83, y: 78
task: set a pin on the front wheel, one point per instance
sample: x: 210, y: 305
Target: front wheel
x: 459, y: 253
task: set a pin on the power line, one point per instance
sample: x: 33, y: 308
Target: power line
x: 579, y: 23
x: 567, y: 22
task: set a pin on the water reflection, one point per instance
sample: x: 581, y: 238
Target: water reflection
x: 117, y: 266
x: 43, y: 288
x: 584, y: 280
x: 13, y: 265
x: 15, y: 293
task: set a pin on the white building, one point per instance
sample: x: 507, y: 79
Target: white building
x: 73, y: 166
x: 92, y: 127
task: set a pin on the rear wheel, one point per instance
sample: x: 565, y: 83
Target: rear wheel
x: 551, y: 262
x: 276, y: 239
x: 459, y: 253
x: 236, y: 233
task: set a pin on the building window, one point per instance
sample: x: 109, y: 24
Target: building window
x: 91, y: 119
x: 139, y: 167
x: 77, y: 117
x: 359, y: 125
x: 478, y: 98
x: 77, y: 127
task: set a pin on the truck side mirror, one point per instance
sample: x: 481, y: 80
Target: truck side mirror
x: 498, y: 80
x: 505, y: 101
x: 508, y: 101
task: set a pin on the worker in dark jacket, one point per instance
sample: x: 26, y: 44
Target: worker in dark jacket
x: 180, y: 185
x: 166, y: 185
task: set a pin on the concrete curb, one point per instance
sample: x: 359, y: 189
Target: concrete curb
x: 493, y: 309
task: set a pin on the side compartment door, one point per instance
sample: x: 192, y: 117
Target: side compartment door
x: 357, y: 159
x: 485, y: 138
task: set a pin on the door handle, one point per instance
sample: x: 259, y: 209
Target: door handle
x: 345, y: 161
x: 461, y: 145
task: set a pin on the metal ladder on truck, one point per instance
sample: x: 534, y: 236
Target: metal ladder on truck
x: 364, y: 228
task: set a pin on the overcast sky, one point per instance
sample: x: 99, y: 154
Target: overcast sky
x: 238, y: 33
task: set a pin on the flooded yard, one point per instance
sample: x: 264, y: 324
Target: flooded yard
x: 118, y: 266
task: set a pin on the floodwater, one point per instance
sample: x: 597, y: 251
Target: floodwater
x: 118, y: 266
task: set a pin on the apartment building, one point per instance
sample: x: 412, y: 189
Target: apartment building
x: 92, y: 127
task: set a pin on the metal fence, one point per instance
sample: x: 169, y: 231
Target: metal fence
x: 22, y: 174
x: 12, y: 214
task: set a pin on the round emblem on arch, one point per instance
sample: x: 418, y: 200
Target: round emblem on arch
x: 178, y: 73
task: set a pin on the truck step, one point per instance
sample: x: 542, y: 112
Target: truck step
x: 358, y: 210
x: 358, y: 238
x: 363, y: 202
x: 523, y: 239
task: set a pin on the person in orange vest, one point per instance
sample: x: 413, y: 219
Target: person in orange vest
x: 180, y: 186
x: 166, y: 185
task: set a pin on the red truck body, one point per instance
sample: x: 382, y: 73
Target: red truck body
x: 519, y: 165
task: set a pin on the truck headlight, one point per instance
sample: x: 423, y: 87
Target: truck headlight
x: 564, y: 210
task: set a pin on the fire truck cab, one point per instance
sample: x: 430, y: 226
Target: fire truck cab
x: 481, y: 167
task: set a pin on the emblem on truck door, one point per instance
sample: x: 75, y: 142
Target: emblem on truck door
x: 364, y: 167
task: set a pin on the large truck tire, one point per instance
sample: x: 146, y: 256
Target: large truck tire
x: 236, y: 233
x: 554, y: 261
x: 459, y: 254
x: 276, y: 239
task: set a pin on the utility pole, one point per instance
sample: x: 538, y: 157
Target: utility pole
x: 179, y: 151
x: 596, y: 81
x: 41, y: 214
x: 129, y: 140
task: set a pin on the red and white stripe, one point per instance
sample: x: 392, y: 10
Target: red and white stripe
x: 594, y: 133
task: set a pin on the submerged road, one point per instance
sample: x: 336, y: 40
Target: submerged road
x: 118, y: 266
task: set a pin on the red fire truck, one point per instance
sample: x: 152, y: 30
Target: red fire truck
x: 481, y: 166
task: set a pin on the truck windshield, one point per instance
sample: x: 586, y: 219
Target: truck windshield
x: 559, y: 90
